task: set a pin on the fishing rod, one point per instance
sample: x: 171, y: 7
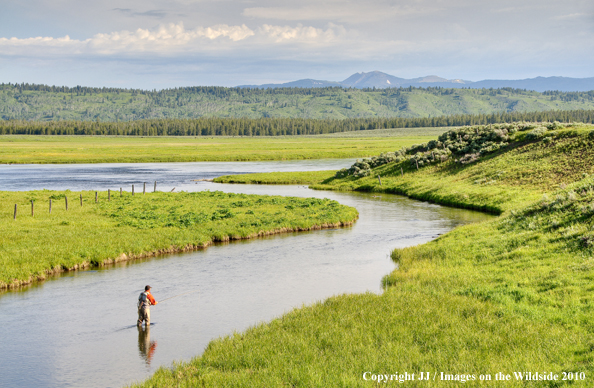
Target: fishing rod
x: 175, y: 296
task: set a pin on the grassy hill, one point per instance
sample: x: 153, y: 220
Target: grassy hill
x: 503, y: 297
x: 40, y: 102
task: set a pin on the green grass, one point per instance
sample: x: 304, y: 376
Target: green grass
x: 504, y: 180
x: 140, y: 225
x: 333, y: 343
x: 98, y: 149
x: 513, y: 294
x: 278, y: 178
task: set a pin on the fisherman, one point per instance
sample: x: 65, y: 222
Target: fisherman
x: 145, y: 300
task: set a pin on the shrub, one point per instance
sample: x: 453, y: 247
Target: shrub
x: 555, y: 125
x: 342, y: 173
x: 536, y: 134
x: 469, y: 158
x: 466, y: 144
x: 526, y: 126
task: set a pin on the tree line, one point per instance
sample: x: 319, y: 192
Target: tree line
x: 226, y: 92
x: 275, y: 126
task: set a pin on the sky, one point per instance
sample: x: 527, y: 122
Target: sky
x: 152, y: 44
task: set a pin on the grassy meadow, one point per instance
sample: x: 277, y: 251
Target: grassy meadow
x: 514, y: 294
x: 134, y: 226
x: 19, y: 149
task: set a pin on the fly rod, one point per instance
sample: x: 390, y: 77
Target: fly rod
x: 175, y: 296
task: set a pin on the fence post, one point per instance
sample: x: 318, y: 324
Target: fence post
x: 120, y: 191
x: 15, y: 210
x: 401, y: 171
x: 155, y: 189
x: 108, y: 195
x: 81, y: 200
x: 50, y: 209
x: 379, y: 178
x: 144, y: 188
x: 95, y: 197
x: 132, y: 189
x: 32, y: 212
x: 66, y: 200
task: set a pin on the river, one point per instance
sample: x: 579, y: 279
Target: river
x: 78, y: 329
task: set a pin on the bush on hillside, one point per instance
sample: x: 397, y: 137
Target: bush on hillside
x: 536, y: 134
x: 466, y: 145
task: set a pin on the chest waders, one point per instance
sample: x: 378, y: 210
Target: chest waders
x: 144, y: 313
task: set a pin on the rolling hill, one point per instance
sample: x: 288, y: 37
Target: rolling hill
x: 55, y: 103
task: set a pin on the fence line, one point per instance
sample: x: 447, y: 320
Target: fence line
x: 81, y: 199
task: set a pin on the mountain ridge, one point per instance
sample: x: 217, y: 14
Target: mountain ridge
x: 379, y: 80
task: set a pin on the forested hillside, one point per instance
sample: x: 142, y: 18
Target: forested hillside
x: 51, y: 103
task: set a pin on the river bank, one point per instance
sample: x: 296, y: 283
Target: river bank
x: 507, y: 295
x: 278, y: 178
x: 37, y: 242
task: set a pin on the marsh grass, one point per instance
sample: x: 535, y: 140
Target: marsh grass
x: 135, y: 226
x: 513, y: 294
x: 406, y: 329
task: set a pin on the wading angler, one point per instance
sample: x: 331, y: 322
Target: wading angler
x: 145, y: 300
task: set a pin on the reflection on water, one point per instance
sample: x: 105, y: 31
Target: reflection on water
x: 53, y: 337
x: 146, y: 347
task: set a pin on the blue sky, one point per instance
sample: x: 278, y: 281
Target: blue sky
x: 159, y: 44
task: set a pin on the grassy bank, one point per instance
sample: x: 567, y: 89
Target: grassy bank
x: 278, y: 178
x: 127, y: 227
x: 18, y: 149
x: 510, y: 295
x: 509, y: 178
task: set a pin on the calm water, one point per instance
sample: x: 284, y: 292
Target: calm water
x: 78, y: 330
x: 168, y: 175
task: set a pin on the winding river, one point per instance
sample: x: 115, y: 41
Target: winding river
x: 78, y: 329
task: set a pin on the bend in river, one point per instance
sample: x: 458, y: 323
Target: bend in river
x: 79, y: 329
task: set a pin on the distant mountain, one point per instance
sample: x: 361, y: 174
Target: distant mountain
x: 377, y: 79
x: 374, y: 79
x: 302, y: 83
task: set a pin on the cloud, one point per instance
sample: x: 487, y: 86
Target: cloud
x: 174, y: 39
x: 339, y: 11
x: 164, y: 39
x: 574, y: 16
x: 302, y: 33
x: 155, y: 13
